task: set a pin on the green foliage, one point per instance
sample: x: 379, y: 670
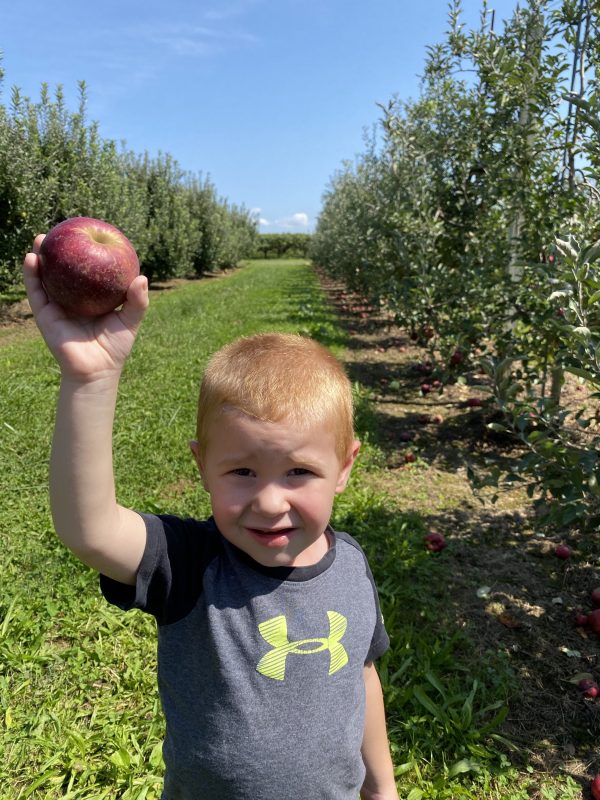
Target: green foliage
x: 282, y: 245
x: 226, y: 233
x: 54, y: 164
x: 450, y: 221
x: 560, y: 465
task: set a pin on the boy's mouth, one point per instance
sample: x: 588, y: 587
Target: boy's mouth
x: 272, y: 537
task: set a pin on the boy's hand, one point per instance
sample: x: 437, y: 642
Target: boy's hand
x: 85, y: 348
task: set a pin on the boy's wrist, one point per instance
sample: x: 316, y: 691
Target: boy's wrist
x: 92, y: 385
x: 385, y: 789
x: 380, y: 794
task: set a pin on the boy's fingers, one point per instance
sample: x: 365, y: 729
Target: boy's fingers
x: 33, y: 285
x: 37, y: 242
x: 136, y: 303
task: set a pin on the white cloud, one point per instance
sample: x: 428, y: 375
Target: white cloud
x: 294, y: 223
x: 261, y: 221
x: 299, y: 220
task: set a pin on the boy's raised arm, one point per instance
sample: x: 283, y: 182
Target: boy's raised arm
x: 91, y: 354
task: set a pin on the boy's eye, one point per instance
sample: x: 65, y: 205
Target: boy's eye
x: 243, y: 471
x: 299, y: 471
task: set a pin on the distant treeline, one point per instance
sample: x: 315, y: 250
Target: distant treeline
x: 282, y: 245
x: 54, y: 164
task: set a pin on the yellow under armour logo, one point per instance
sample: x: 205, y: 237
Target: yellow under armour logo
x: 274, y: 631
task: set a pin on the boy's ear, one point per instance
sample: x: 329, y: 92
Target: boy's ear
x: 347, y: 467
x: 194, y: 447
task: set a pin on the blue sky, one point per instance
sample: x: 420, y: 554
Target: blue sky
x: 268, y: 97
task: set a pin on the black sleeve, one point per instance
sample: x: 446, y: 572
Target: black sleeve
x: 169, y: 578
x: 380, y: 640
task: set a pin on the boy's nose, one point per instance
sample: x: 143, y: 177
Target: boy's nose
x: 271, y: 500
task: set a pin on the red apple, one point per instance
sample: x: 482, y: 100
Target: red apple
x: 581, y: 619
x: 434, y: 541
x: 562, y: 551
x: 86, y: 266
x: 456, y: 358
x: 590, y: 690
x: 425, y: 388
x: 594, y: 620
x: 596, y: 596
x: 424, y: 367
x: 409, y: 458
x: 595, y: 788
x: 474, y: 402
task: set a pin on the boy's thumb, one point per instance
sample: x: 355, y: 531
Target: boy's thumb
x: 136, y: 303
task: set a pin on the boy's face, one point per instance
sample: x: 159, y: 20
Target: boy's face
x: 272, y: 486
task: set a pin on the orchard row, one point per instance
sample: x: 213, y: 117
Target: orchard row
x: 54, y: 164
x: 473, y: 218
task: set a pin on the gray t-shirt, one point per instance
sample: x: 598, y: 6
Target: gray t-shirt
x: 260, y: 669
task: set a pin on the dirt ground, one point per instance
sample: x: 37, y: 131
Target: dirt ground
x: 509, y: 590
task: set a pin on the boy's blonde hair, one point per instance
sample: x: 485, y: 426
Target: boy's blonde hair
x: 276, y: 376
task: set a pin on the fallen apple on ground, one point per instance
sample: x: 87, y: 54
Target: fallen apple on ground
x: 595, y: 788
x: 589, y: 688
x: 87, y: 265
x: 581, y: 619
x: 434, y: 541
x: 594, y: 620
x: 563, y: 551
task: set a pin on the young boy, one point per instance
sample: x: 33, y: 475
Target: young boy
x: 268, y: 620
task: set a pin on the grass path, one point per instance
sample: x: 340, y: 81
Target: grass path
x: 78, y: 703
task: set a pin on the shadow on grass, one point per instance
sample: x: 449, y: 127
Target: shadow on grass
x: 432, y: 666
x: 498, y: 583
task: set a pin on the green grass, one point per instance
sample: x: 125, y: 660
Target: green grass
x: 79, y: 714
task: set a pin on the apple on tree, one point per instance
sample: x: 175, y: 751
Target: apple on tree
x: 87, y: 265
